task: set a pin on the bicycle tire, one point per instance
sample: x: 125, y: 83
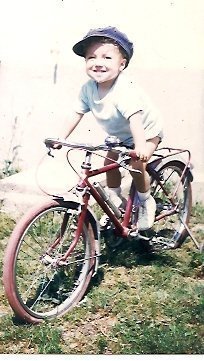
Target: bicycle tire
x: 35, y: 286
x: 171, y: 229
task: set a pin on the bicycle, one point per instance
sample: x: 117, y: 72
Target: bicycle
x: 54, y: 250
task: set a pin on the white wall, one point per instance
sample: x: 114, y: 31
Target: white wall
x: 35, y: 35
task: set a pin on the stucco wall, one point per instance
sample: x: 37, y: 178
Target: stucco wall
x: 39, y: 74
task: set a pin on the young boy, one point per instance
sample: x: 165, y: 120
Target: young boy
x: 120, y: 108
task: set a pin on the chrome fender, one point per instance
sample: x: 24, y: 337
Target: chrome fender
x: 160, y: 162
x: 71, y: 197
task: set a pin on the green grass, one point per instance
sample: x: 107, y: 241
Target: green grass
x: 138, y: 303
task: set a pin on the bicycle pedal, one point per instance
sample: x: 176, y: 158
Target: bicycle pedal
x: 47, y: 259
x: 133, y: 234
x: 104, y: 221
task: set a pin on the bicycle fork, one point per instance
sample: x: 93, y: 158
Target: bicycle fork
x: 82, y: 211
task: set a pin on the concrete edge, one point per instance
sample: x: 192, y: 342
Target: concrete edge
x: 16, y: 197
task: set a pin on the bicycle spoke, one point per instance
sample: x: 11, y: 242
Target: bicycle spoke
x: 171, y: 194
x: 44, y: 284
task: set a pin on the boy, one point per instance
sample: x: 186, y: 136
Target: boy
x: 120, y: 108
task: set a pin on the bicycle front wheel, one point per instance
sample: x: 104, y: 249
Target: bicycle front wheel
x: 170, y: 231
x: 36, y: 285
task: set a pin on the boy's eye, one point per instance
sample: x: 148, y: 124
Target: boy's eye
x: 108, y: 57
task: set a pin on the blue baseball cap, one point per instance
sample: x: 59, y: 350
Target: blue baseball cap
x: 108, y: 32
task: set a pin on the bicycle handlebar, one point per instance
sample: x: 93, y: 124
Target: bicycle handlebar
x: 51, y: 142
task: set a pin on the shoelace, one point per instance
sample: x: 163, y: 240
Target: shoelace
x: 142, y: 207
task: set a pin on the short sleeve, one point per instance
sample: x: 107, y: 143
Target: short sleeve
x: 129, y: 99
x: 81, y: 104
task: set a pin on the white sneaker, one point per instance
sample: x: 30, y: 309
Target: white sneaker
x: 146, y: 216
x: 117, y: 199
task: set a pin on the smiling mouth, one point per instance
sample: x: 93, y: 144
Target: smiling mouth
x: 99, y: 71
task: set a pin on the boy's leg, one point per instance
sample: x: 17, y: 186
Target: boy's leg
x: 113, y: 177
x: 113, y: 180
x: 142, y: 180
x: 142, y: 183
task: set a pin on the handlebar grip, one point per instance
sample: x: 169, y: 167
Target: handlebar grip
x: 51, y: 142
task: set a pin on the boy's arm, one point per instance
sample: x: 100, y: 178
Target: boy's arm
x: 68, y: 127
x: 138, y: 134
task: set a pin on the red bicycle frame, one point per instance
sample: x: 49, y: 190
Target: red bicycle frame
x: 85, y: 189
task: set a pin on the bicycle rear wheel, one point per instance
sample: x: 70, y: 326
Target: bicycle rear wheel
x: 37, y: 287
x: 170, y: 231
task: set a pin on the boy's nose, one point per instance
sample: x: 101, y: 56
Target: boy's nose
x: 98, y: 62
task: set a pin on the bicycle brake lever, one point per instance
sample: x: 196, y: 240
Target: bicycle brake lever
x: 49, y: 153
x: 124, y: 158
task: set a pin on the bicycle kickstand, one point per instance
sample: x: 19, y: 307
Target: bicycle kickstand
x: 200, y: 247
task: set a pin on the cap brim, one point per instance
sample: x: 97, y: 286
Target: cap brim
x: 78, y: 48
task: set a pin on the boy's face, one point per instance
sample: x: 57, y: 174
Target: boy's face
x: 104, y: 62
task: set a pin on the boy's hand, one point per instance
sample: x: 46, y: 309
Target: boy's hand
x: 142, y: 154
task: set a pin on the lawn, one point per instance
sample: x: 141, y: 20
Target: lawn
x: 139, y: 303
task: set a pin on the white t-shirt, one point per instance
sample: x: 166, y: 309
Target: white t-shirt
x: 114, y: 110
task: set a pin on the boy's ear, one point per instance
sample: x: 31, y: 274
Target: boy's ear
x: 123, y: 64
